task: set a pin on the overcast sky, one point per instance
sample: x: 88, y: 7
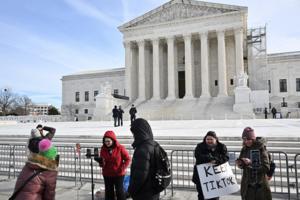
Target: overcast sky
x: 42, y: 40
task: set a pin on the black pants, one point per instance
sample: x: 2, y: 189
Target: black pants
x: 115, y: 121
x: 132, y: 118
x: 112, y: 184
x: 200, y: 193
x: 120, y: 121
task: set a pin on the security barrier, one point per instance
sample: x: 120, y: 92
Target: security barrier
x: 76, y: 167
x: 297, y: 174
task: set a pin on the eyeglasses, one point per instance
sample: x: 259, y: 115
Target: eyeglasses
x: 107, y: 141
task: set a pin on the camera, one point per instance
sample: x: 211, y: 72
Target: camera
x: 255, y: 159
x: 90, y: 155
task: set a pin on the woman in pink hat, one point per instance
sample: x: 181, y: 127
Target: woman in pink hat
x: 254, y: 161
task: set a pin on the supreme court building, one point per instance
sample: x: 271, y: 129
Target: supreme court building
x: 189, y: 56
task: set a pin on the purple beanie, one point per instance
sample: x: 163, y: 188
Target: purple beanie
x: 248, y: 133
x: 44, y: 145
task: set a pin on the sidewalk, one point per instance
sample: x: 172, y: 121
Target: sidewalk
x: 68, y: 190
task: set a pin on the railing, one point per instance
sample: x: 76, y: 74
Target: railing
x: 182, y: 164
x: 297, y: 177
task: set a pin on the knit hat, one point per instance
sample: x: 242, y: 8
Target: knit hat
x: 46, y: 149
x: 50, y: 153
x: 44, y: 145
x: 248, y: 133
x: 35, y: 133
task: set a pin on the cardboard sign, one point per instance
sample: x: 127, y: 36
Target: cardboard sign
x: 217, y: 180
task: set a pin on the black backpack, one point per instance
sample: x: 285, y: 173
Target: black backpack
x: 162, y: 170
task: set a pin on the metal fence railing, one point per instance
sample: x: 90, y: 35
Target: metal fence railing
x: 76, y: 167
x: 297, y: 174
x: 182, y: 164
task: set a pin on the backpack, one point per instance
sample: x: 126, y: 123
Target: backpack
x: 162, y: 170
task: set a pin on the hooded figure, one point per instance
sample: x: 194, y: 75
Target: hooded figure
x: 114, y: 159
x: 210, y: 150
x: 254, y: 184
x: 142, y: 167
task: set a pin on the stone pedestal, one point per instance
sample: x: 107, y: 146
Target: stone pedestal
x: 104, y: 106
x: 242, y: 100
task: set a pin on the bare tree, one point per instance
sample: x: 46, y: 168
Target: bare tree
x: 24, y: 102
x: 7, y: 99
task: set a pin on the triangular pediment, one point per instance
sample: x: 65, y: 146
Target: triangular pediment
x: 181, y: 9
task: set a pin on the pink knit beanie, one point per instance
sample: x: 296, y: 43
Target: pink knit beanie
x: 44, y: 145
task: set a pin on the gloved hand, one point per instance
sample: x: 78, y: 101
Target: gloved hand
x: 98, y: 160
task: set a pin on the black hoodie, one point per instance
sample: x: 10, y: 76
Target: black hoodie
x: 142, y: 167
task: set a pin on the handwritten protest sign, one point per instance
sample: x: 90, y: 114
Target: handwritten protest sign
x: 217, y: 180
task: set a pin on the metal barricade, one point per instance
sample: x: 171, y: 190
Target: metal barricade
x: 19, y: 155
x: 5, y: 159
x: 67, y: 162
x: 297, y: 176
x: 182, y: 164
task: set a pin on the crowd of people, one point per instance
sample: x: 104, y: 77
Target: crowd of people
x: 37, y: 179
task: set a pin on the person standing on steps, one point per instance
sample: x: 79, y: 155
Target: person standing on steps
x: 132, y: 113
x: 120, y: 116
x: 115, y: 113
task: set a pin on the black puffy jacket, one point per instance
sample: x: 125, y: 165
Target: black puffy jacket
x: 142, y: 166
x: 204, y: 155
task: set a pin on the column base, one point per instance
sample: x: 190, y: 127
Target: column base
x: 170, y: 98
x: 188, y: 97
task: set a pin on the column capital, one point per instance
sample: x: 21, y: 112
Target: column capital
x: 170, y: 37
x: 203, y: 33
x: 127, y: 43
x: 238, y: 30
x: 141, y: 42
x: 155, y: 40
x: 220, y: 32
x: 187, y: 36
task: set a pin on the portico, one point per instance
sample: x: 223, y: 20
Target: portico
x: 195, y: 53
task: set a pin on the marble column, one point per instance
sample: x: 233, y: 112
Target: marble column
x: 128, y: 69
x: 171, y: 68
x: 222, y: 74
x: 188, y: 66
x: 204, y: 65
x: 156, y: 71
x: 239, y: 58
x: 141, y: 70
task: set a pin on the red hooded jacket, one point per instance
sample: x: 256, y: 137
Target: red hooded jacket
x: 116, y: 159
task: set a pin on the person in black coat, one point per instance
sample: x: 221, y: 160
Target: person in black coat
x: 208, y: 151
x: 142, y: 166
x: 120, y: 117
x: 115, y: 112
x: 132, y: 113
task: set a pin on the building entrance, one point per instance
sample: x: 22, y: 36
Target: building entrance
x: 181, y: 84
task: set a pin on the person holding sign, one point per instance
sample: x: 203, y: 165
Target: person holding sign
x: 255, y: 163
x: 208, y: 151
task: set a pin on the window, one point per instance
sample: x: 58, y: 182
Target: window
x: 298, y: 84
x: 216, y: 82
x: 116, y: 91
x: 231, y: 81
x: 77, y: 99
x: 76, y: 111
x: 86, y: 111
x: 86, y: 96
x: 282, y: 85
x: 269, y: 85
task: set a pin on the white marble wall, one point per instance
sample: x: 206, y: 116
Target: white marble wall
x: 88, y: 82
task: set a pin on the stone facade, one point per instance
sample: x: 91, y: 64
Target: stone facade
x: 87, y: 85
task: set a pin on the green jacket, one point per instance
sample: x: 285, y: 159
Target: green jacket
x: 254, y: 185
